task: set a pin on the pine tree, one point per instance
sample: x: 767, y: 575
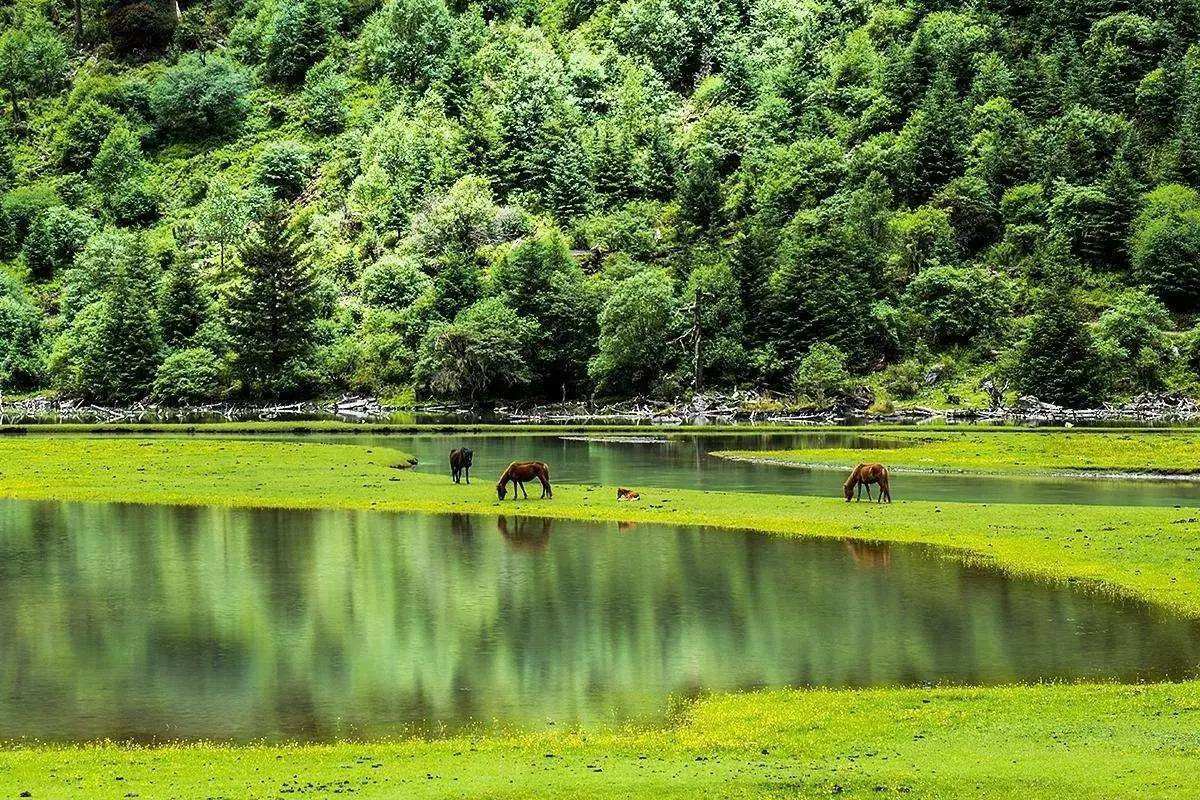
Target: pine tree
x: 182, y: 303
x: 1058, y: 362
x: 271, y: 309
x: 937, y: 131
x: 612, y: 157
x: 121, y: 366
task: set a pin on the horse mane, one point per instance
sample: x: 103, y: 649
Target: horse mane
x: 854, y: 473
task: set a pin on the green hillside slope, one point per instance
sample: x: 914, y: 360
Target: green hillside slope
x: 289, y: 198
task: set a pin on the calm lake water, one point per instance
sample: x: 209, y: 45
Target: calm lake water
x: 152, y: 623
x: 683, y: 461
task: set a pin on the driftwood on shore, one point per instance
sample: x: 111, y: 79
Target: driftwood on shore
x: 704, y: 409
x: 44, y: 409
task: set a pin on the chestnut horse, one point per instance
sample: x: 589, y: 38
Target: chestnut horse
x: 865, y: 475
x: 520, y: 471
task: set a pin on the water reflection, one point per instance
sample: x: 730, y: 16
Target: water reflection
x: 150, y: 622
x: 525, y: 533
x: 869, y: 555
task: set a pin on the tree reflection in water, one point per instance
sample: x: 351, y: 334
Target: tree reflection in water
x: 155, y: 622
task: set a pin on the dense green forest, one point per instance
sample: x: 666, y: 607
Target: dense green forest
x: 571, y: 198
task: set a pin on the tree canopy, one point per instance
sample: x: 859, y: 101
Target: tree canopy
x: 614, y: 198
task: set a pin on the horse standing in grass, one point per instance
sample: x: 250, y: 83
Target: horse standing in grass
x: 460, y: 463
x: 521, y: 471
x: 865, y: 475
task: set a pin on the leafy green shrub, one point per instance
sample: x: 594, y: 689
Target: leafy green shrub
x: 479, y: 354
x: 19, y: 207
x: 32, y: 56
x: 135, y: 203
x: 323, y: 101
x: 298, y: 36
x: 821, y: 376
x: 118, y: 161
x: 394, y: 282
x: 1058, y: 361
x: 636, y: 326
x: 189, y: 376
x: 904, y: 380
x: 200, y: 96
x: 283, y: 167
x: 406, y: 40
x: 1166, y: 246
x: 960, y: 305
x: 1132, y: 336
x: 141, y: 25
x: 57, y: 235
x: 79, y: 139
x: 22, y: 348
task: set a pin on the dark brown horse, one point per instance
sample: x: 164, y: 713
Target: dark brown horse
x: 865, y: 475
x: 521, y: 471
x: 460, y: 463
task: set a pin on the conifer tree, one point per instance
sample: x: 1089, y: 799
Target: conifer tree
x: 120, y: 368
x: 1058, y: 362
x: 936, y: 132
x: 271, y: 310
x: 183, y: 305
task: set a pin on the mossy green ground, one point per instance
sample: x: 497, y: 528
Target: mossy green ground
x: 1036, y: 741
x: 998, y: 451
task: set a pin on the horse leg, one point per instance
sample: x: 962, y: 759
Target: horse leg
x: 523, y: 492
x: 468, y: 471
x: 868, y: 491
x: 546, y: 490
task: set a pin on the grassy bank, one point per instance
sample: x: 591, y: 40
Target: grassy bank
x: 1083, y: 741
x: 1037, y: 741
x: 1124, y: 452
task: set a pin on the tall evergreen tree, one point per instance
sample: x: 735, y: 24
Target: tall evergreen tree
x: 1058, y: 361
x: 272, y: 310
x: 122, y: 364
x: 182, y: 303
x: 936, y: 139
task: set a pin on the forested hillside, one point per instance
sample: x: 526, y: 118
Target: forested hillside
x: 549, y: 198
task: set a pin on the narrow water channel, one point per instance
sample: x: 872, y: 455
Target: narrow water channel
x: 158, y: 623
x: 683, y: 461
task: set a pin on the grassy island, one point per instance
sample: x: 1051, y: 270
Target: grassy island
x: 1000, y: 451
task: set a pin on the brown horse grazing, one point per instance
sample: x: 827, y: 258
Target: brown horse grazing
x: 460, y: 463
x: 521, y: 471
x: 865, y: 475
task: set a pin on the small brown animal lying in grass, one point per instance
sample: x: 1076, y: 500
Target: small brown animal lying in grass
x: 628, y: 494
